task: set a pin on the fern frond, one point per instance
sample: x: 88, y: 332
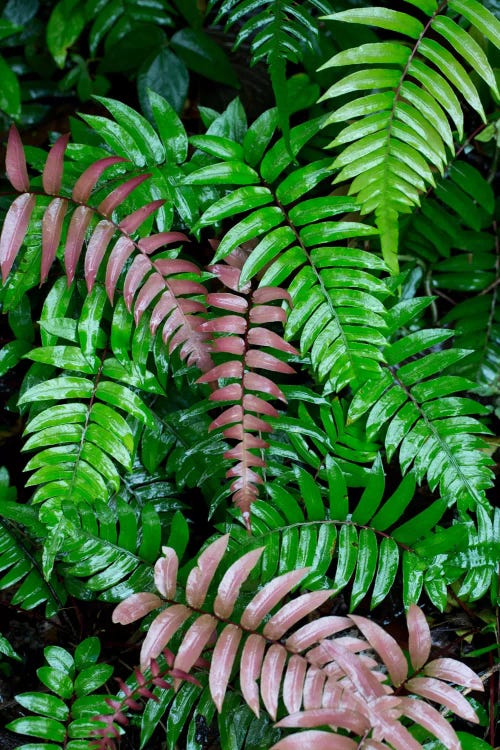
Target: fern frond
x: 403, y: 134
x: 309, y: 669
x: 423, y: 419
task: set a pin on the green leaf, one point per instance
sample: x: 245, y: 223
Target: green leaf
x: 383, y: 18
x: 167, y: 76
x: 347, y: 554
x: 123, y: 398
x: 388, y: 563
x: 258, y: 136
x: 38, y: 726
x: 170, y: 128
x: 480, y: 17
x: 65, y: 25
x: 138, y: 127
x: 91, y: 678
x: 42, y: 703
x: 87, y: 652
x: 366, y: 566
x: 203, y: 55
x: 65, y: 386
x: 223, y: 173
x: 260, y: 221
x: 242, y: 199
x: 11, y: 354
x: 10, y: 92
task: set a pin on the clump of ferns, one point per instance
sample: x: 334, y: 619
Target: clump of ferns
x: 355, y: 684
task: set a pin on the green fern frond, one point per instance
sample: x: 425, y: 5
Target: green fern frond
x: 402, y: 133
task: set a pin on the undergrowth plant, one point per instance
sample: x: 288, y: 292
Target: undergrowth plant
x: 279, y: 341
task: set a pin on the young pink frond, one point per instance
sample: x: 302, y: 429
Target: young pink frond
x: 201, y: 576
x: 362, y: 678
x: 313, y: 687
x: 263, y: 337
x: 230, y: 277
x: 165, y: 573
x: 250, y: 422
x: 135, y: 275
x: 54, y: 166
x: 226, y: 324
x: 134, y: 607
x: 258, y: 405
x: 15, y: 162
x: 250, y: 667
x: 222, y: 662
x: 427, y: 716
x: 155, y: 241
x: 74, y: 241
x: 226, y: 370
x: 151, y: 289
x: 229, y: 416
x: 228, y: 345
x: 161, y: 631
x: 119, y: 255
x: 241, y: 453
x: 232, y: 392
x: 233, y: 579
x: 293, y: 684
x: 317, y: 717
x: 244, y: 472
x: 314, y: 739
x: 419, y: 637
x: 256, y: 382
x: 292, y: 612
x: 395, y: 733
x: 265, y: 361
x: 193, y: 643
x: 226, y: 301
x: 97, y: 246
x: 270, y: 294
x: 163, y: 307
x: 87, y: 181
x: 52, y: 223
x: 14, y: 230
x: 385, y: 646
x: 169, y: 266
x: 134, y: 220
x: 267, y: 314
x: 270, y: 678
x: 185, y: 286
x: 316, y: 631
x: 453, y: 671
x: 119, y: 194
x: 269, y: 596
x: 435, y: 690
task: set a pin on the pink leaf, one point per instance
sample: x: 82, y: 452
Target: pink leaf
x: 269, y: 596
x: 228, y: 345
x: 267, y: 314
x: 255, y: 382
x: 185, y: 286
x: 292, y: 612
x: 313, y: 687
x: 135, y: 275
x: 119, y: 194
x: 116, y: 261
x: 235, y: 576
x: 169, y: 266
x: 419, y: 637
x: 232, y: 392
x: 251, y: 661
x: 201, y: 576
x: 14, y: 230
x: 52, y: 223
x: 222, y: 662
x: 265, y: 361
x: 435, y: 690
x: 385, y: 646
x: 225, y: 324
x: 293, y: 684
x: 315, y: 631
x: 155, y: 241
x: 258, y: 405
x: 134, y: 220
x: 163, y: 307
x: 225, y: 301
x: 338, y: 717
x: 53, y: 170
x: 165, y: 573
x: 427, y: 716
x: 241, y: 453
x: 226, y: 370
x: 454, y: 671
x: 362, y: 678
x: 86, y: 182
x: 314, y: 739
x: 254, y: 423
x: 270, y: 678
x: 75, y: 237
x: 230, y: 277
x: 229, y: 416
x: 134, y: 607
x: 97, y: 246
x: 161, y: 631
x: 270, y: 294
x: 151, y: 289
x: 263, y: 337
x: 15, y: 162
x: 193, y: 643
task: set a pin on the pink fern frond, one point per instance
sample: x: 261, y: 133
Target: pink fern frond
x: 15, y: 162
x: 14, y: 230
x: 54, y: 166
